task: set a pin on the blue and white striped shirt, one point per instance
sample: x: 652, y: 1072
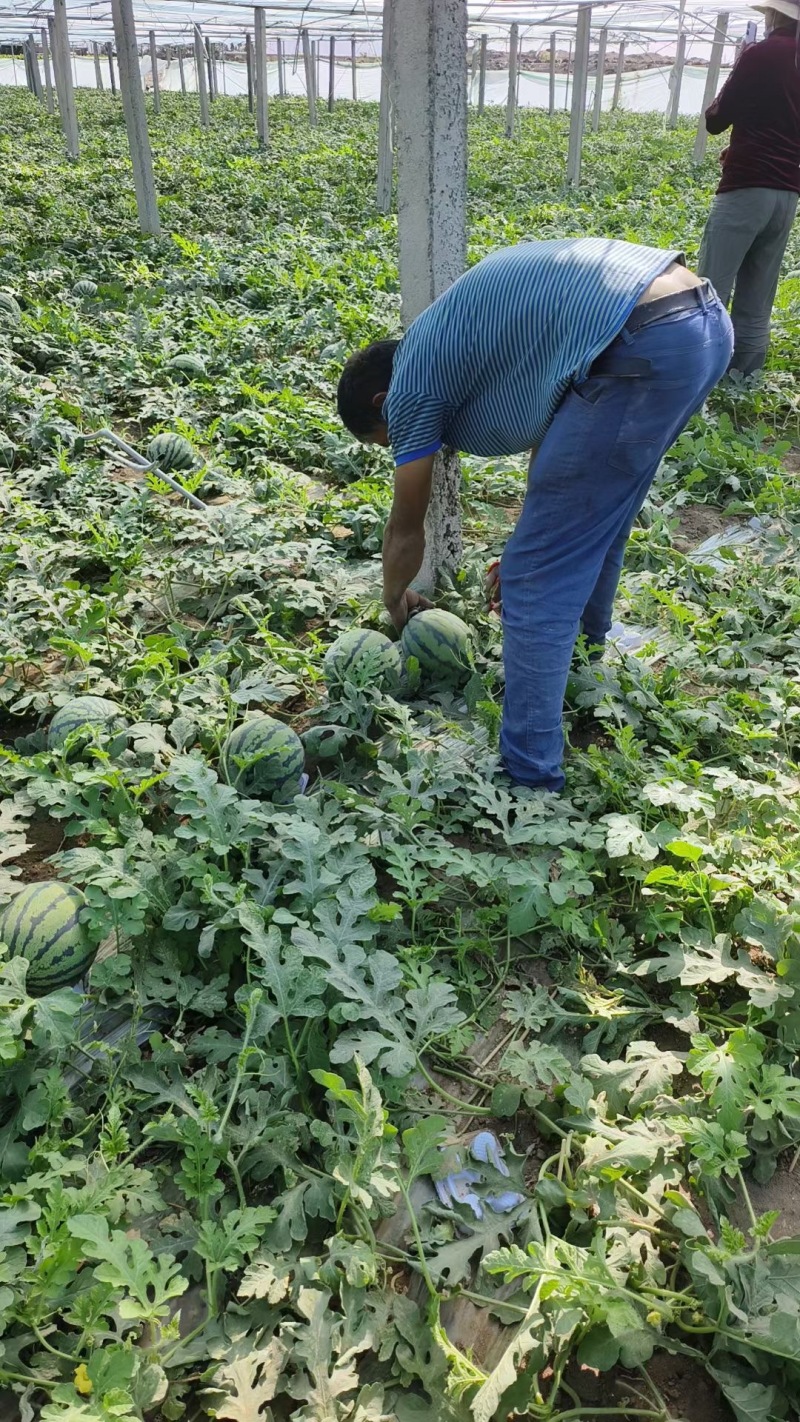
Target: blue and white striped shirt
x: 485, y: 367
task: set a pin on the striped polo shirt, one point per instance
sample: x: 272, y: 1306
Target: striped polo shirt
x: 485, y: 367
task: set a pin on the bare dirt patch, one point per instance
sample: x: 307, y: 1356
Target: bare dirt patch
x: 782, y: 1193
x: 697, y: 522
x: 45, y: 837
x: 791, y: 461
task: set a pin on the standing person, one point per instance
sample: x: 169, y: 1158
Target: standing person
x: 752, y: 214
x: 595, y: 351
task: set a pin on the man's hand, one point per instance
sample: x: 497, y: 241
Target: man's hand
x: 404, y: 607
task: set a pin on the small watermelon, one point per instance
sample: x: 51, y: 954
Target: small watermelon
x: 363, y: 658
x: 325, y: 742
x: 85, y: 287
x: 262, y: 756
x: 83, y: 711
x: 171, y: 451
x: 191, y: 365
x: 440, y: 641
x: 42, y: 925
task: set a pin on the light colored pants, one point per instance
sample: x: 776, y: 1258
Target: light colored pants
x: 741, y: 251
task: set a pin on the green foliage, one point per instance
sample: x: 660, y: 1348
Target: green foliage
x: 217, y: 1162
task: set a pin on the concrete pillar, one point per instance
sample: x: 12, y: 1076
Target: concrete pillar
x: 317, y: 68
x: 98, y: 73
x: 331, y: 72
x: 281, y: 75
x: 262, y: 112
x: 202, y: 80
x: 569, y: 71
x: 36, y: 78
x: 111, y: 75
x: 59, y: 43
x: 248, y: 55
x: 578, y: 114
x: 473, y: 71
x: 482, y: 76
x: 618, y: 75
x: 353, y: 67
x: 551, y: 106
x: 48, y: 77
x: 385, y: 155
x: 212, y: 70
x: 429, y: 71
x: 308, y: 64
x: 154, y: 73
x: 222, y: 66
x: 599, y: 81
x: 26, y: 60
x: 511, y: 101
x: 130, y: 85
x: 675, y: 81
x: 712, y: 80
x: 181, y: 71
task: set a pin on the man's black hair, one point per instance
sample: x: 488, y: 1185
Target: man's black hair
x: 366, y: 374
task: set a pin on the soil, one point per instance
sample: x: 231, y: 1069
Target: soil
x: 45, y: 837
x: 791, y: 461
x: 687, y: 1389
x: 782, y: 1193
x: 697, y: 522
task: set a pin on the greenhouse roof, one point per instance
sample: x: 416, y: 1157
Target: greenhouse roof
x: 171, y: 19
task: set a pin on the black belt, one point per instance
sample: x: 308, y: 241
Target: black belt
x: 615, y: 360
x: 666, y: 306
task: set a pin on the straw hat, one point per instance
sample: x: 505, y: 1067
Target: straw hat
x: 783, y: 7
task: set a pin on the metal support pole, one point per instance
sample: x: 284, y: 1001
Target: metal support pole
x: 222, y: 65
x: 112, y: 76
x: 200, y: 71
x: 331, y: 72
x: 619, y: 74
x: 569, y: 69
x: 262, y: 114
x: 281, y: 75
x: 599, y: 80
x: 26, y: 60
x: 712, y: 80
x: 308, y: 63
x: 248, y: 55
x: 551, y: 106
x: 130, y: 84
x: 473, y: 72
x: 59, y: 40
x: 578, y: 115
x: 154, y: 73
x: 317, y: 68
x: 181, y: 71
x: 675, y: 81
x: 48, y: 77
x: 353, y: 69
x: 385, y: 155
x: 482, y: 76
x: 511, y: 101
x: 98, y: 73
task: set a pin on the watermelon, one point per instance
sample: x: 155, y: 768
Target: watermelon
x: 191, y: 365
x: 325, y: 742
x: 42, y: 925
x: 82, y: 711
x: 85, y: 287
x: 9, y: 309
x: 440, y: 642
x: 262, y: 756
x: 171, y: 451
x: 363, y: 658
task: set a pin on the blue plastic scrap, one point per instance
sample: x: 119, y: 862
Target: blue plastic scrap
x: 457, y: 1187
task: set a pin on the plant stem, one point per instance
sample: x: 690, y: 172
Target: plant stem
x: 423, y: 1263
x: 448, y: 1096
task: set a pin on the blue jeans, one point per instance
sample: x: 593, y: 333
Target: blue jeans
x: 589, y: 479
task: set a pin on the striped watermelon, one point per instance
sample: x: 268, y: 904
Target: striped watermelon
x: 263, y: 757
x: 41, y: 924
x: 83, y: 711
x: 171, y: 451
x: 440, y: 641
x: 85, y: 287
x: 191, y: 365
x: 363, y: 658
x: 325, y: 742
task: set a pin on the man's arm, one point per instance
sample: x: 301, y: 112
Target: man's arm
x: 729, y: 106
x: 404, y: 538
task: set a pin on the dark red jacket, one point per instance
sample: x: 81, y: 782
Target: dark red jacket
x: 762, y: 101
